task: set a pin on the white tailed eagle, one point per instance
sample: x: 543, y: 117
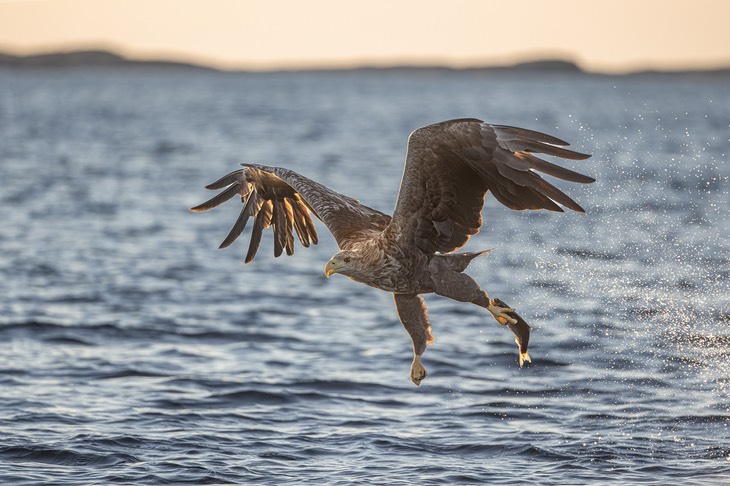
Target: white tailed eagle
x: 450, y: 166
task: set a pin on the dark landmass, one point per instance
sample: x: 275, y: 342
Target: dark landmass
x: 106, y: 59
x: 553, y: 66
x: 684, y: 72
x: 76, y: 59
x: 98, y: 58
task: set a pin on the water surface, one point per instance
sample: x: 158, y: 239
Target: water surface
x: 133, y: 351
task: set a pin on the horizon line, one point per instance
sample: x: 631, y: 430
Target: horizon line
x: 504, y: 62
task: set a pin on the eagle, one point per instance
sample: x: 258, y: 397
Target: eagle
x: 450, y: 166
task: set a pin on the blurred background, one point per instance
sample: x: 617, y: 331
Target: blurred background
x: 614, y: 37
x: 133, y: 351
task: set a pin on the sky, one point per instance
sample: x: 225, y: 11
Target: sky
x: 606, y: 36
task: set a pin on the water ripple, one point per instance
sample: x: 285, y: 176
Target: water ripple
x: 133, y: 352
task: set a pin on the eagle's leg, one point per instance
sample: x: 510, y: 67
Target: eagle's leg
x: 414, y: 317
x: 463, y: 288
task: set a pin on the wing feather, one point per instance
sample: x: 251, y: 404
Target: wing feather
x: 278, y: 223
x: 546, y: 189
x: 289, y: 233
x: 218, y: 199
x: 304, y: 225
x: 300, y: 227
x: 450, y: 166
x: 263, y: 221
x: 551, y: 169
x: 241, y: 222
x: 283, y: 200
x: 226, y: 180
x: 513, y: 133
x: 520, y: 140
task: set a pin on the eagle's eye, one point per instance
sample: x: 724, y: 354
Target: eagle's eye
x: 347, y: 259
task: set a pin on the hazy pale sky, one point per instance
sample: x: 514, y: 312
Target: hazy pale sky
x: 612, y: 35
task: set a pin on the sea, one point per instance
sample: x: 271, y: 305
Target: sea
x: 133, y: 351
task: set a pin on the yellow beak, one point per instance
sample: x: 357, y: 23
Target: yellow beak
x: 329, y: 269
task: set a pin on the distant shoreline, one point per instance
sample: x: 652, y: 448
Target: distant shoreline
x: 107, y: 59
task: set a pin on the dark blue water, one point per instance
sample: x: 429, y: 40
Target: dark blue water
x: 133, y: 351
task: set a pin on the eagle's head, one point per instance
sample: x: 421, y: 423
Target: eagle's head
x: 346, y: 262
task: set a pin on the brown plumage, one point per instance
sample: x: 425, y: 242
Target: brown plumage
x: 450, y: 166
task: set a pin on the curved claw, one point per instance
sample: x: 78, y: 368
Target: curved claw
x: 501, y: 312
x: 523, y: 356
x: 418, y: 372
x: 519, y: 328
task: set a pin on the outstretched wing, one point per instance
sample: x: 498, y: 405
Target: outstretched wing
x: 283, y: 199
x: 451, y: 165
